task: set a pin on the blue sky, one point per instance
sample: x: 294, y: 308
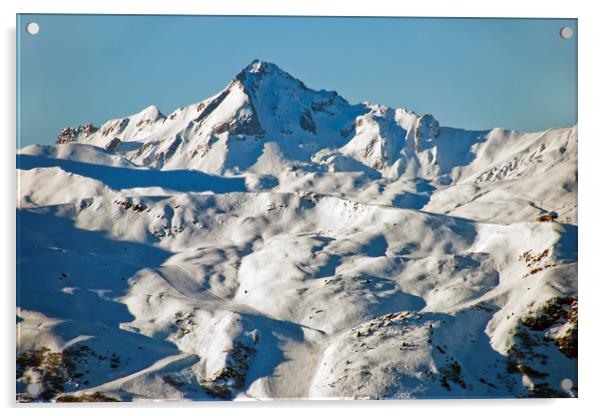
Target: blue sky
x: 469, y: 73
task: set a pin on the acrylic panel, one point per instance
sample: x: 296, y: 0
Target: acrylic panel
x: 231, y: 208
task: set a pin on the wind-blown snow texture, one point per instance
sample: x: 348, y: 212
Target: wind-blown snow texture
x: 274, y: 241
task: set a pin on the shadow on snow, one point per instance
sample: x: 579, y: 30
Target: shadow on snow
x: 122, y: 178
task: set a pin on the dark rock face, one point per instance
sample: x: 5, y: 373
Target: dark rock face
x: 173, y: 146
x: 552, y: 324
x: 558, y: 311
x: 247, y: 124
x: 60, y: 371
x: 115, y: 128
x: 157, y: 160
x: 555, y: 310
x: 549, y: 217
x: 567, y: 343
x: 232, y: 377
x: 250, y: 80
x: 307, y: 122
x: 87, y: 129
x: 69, y: 134
x: 253, y: 73
x: 244, y: 123
x: 83, y: 398
x: 426, y: 130
x: 144, y: 148
x: 345, y: 133
x: 206, y: 110
x: 136, y: 207
x: 204, y: 148
x: 113, y: 144
x: 323, y: 106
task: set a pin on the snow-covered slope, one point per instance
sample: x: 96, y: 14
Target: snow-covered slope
x: 274, y: 241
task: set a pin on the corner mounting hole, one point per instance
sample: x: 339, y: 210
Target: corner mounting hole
x: 32, y: 28
x: 566, y: 32
x: 566, y: 384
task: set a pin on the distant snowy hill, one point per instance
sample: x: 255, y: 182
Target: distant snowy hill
x: 277, y: 241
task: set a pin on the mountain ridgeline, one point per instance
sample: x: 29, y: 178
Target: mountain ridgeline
x: 264, y: 109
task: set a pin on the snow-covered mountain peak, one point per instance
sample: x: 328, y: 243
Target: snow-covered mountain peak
x: 267, y: 121
x: 259, y: 78
x: 150, y: 113
x: 258, y: 66
x: 251, y: 77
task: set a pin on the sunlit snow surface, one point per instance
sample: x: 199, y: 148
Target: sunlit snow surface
x: 274, y: 241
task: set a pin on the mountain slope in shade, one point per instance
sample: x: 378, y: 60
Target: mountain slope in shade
x: 274, y: 241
